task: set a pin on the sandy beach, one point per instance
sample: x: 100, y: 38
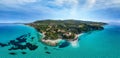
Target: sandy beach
x: 55, y: 42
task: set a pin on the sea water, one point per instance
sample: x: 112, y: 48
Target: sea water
x: 96, y: 44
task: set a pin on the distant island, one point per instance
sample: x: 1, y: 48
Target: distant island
x: 54, y: 31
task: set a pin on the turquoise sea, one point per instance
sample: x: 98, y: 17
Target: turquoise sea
x: 96, y: 44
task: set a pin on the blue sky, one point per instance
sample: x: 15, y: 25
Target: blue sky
x: 31, y: 10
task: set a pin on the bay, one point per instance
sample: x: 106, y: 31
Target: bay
x: 96, y: 44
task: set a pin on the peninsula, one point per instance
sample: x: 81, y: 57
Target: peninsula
x: 69, y: 30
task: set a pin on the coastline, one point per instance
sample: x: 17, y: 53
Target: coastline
x: 53, y: 31
x: 56, y: 42
x: 48, y: 41
x: 74, y: 43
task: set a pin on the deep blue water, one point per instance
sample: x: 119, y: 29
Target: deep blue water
x: 96, y: 44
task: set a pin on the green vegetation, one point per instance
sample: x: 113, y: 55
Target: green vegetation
x: 65, y: 29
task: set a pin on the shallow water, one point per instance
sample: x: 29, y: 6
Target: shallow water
x: 97, y: 44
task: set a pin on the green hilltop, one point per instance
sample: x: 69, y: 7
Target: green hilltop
x: 65, y: 29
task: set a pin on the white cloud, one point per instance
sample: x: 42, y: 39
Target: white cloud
x: 63, y: 2
x: 77, y: 10
x: 68, y: 8
x: 102, y: 4
x: 89, y: 4
x: 14, y: 3
x: 73, y: 5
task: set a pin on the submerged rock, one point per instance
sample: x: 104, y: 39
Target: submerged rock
x: 64, y: 44
x: 3, y: 45
x: 32, y: 38
x: 48, y: 52
x: 22, y: 40
x: 46, y: 48
x: 12, y: 42
x: 31, y: 46
x: 23, y: 52
x: 12, y: 53
x: 22, y: 47
x: 18, y: 43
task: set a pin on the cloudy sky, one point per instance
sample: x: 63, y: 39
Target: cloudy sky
x: 31, y: 10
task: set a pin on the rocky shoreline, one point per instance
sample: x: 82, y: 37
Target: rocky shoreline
x: 57, y: 42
